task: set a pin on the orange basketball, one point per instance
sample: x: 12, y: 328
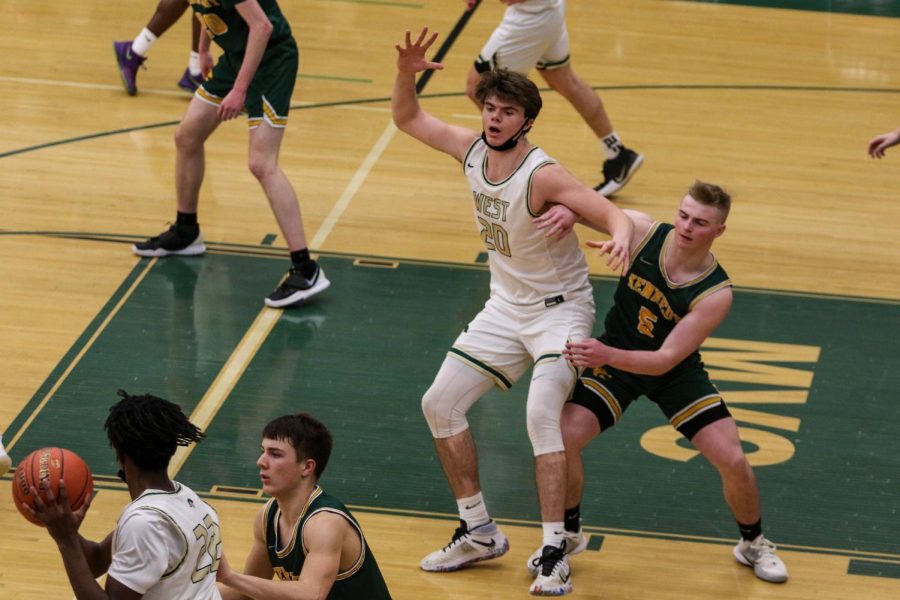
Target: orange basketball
x: 51, y: 464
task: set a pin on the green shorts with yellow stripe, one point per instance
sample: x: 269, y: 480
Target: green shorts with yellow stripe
x: 685, y: 395
x: 269, y: 95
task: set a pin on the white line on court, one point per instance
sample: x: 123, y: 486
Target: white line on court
x: 247, y: 348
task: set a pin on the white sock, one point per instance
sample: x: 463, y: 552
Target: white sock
x: 554, y: 533
x: 194, y: 64
x: 5, y: 461
x: 611, y: 145
x: 473, y: 511
x: 143, y: 42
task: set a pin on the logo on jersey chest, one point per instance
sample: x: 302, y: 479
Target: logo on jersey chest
x: 493, y: 208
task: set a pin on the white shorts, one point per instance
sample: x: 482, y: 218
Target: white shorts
x: 528, y: 36
x: 503, y: 341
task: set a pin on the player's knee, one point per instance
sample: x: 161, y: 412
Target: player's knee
x: 443, y: 417
x: 543, y: 429
x: 261, y: 166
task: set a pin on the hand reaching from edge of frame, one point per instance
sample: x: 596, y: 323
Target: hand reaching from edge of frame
x: 411, y: 57
x: 557, y: 222
x: 879, y: 144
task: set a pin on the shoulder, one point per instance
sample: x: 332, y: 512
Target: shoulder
x: 327, y: 526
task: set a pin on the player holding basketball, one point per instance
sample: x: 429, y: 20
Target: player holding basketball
x: 540, y: 298
x: 304, y: 536
x: 672, y: 297
x: 166, y: 544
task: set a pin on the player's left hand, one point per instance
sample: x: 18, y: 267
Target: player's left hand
x: 56, y: 514
x: 589, y: 352
x: 557, y: 222
x: 619, y: 255
x: 232, y: 105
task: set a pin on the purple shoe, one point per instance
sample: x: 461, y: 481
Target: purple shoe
x: 129, y: 63
x: 188, y: 82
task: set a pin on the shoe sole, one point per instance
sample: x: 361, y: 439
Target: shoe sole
x: 582, y: 545
x: 160, y: 252
x: 301, y: 295
x: 614, y: 186
x: 743, y: 560
x: 447, y: 569
x: 132, y: 91
x: 553, y: 592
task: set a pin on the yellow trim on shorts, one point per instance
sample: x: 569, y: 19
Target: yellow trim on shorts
x: 694, y: 409
x: 606, y: 396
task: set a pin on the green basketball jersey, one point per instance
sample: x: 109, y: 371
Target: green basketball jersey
x: 363, y: 581
x: 228, y: 29
x: 648, y: 304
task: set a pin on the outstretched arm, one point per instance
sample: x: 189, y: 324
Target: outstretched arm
x: 553, y: 184
x: 409, y: 116
x: 879, y: 144
x: 686, y: 337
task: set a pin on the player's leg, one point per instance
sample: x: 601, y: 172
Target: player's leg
x: 695, y: 408
x: 556, y: 69
x: 184, y: 238
x: 516, y: 44
x: 487, y: 353
x: 720, y: 443
x: 455, y: 389
x: 131, y: 55
x: 192, y: 77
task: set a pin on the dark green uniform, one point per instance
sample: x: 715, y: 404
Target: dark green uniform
x: 269, y: 95
x: 363, y: 581
x: 646, y: 308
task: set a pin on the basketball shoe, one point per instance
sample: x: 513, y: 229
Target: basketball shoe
x: 171, y: 242
x: 467, y: 547
x: 188, y: 82
x: 575, y: 543
x: 553, y: 577
x: 760, y: 554
x: 296, y: 288
x: 617, y: 171
x: 129, y: 63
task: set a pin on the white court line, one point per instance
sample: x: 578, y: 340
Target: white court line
x: 65, y: 374
x: 355, y: 183
x: 237, y: 363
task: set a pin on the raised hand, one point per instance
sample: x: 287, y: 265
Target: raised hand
x: 411, y: 57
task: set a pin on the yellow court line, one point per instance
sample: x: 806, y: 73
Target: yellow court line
x: 62, y: 378
x: 227, y: 378
x: 237, y: 363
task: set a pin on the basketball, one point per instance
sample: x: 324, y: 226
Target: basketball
x: 51, y: 464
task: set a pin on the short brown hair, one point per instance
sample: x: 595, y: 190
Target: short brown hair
x: 309, y: 437
x: 711, y: 194
x: 511, y: 87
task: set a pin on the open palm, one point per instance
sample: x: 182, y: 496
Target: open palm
x: 411, y: 58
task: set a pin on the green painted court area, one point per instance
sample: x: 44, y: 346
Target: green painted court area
x: 811, y: 380
x: 879, y: 8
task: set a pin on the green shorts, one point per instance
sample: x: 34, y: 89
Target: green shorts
x: 269, y: 95
x: 685, y: 395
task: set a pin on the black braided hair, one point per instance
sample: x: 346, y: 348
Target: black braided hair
x: 148, y: 430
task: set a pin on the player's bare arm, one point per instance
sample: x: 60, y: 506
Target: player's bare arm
x: 323, y: 537
x: 686, y: 337
x: 408, y: 115
x: 257, y: 39
x: 554, y: 184
x: 256, y: 565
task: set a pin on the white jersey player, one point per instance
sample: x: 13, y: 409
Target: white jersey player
x: 540, y: 298
x: 166, y: 544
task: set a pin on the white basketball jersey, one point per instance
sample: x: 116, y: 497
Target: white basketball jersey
x: 167, y: 546
x: 527, y: 268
